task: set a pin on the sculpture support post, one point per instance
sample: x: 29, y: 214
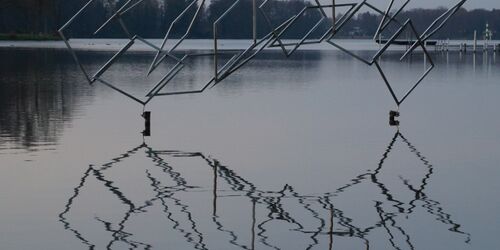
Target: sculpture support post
x: 147, y: 123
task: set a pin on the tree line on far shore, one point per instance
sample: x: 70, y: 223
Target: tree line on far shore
x: 152, y: 18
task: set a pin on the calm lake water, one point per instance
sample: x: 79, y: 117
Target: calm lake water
x: 285, y: 154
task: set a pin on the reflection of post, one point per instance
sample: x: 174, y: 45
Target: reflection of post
x: 475, y: 41
x: 253, y: 223
x: 215, y: 189
x: 447, y: 58
x: 474, y: 62
x: 330, y: 245
x: 485, y: 60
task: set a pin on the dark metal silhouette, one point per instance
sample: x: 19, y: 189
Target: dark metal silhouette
x: 273, y: 39
x: 331, y: 221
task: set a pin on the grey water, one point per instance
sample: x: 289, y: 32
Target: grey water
x: 288, y: 153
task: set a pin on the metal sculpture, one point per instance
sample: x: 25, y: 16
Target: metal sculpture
x: 274, y: 39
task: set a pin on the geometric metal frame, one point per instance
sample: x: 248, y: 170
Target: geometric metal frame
x: 378, y: 53
x: 420, y: 43
x: 271, y: 40
x: 336, y: 26
x: 126, y: 7
x: 437, y: 24
x: 278, y: 33
x: 158, y: 57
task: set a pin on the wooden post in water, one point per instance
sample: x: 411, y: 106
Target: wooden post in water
x: 147, y: 123
x: 392, y: 118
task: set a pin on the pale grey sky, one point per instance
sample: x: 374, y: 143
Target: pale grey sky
x: 471, y: 4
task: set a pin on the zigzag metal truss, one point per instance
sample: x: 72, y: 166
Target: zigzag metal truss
x: 273, y: 39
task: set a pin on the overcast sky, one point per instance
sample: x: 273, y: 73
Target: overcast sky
x: 470, y: 4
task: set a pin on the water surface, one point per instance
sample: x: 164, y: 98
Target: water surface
x: 286, y: 154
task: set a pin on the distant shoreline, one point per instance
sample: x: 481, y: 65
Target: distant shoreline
x: 29, y: 37
x: 113, y: 45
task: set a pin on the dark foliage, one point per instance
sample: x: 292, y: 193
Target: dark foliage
x: 152, y: 20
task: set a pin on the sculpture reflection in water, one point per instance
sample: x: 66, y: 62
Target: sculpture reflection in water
x: 316, y: 220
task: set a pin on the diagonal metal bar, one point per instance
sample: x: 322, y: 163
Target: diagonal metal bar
x: 113, y: 59
x: 427, y: 57
x: 120, y: 91
x: 387, y: 83
x: 156, y: 61
x: 116, y: 15
x: 75, y: 57
x: 394, y: 16
x: 432, y: 29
